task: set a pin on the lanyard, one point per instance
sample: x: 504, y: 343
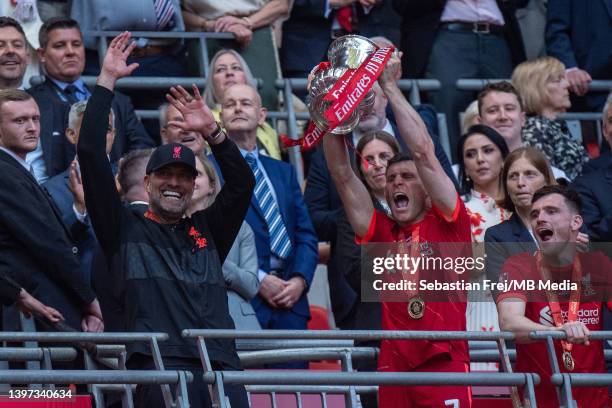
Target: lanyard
x: 553, y: 299
x: 414, y: 253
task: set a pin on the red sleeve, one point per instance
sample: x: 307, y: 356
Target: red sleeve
x: 379, y: 229
x: 457, y: 225
x: 514, y: 269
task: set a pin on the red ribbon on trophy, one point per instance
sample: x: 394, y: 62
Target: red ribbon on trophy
x: 345, y: 95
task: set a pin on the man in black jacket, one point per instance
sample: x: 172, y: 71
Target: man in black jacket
x: 36, y: 248
x: 169, y: 264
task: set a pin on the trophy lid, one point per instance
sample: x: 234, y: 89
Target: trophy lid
x: 350, y: 51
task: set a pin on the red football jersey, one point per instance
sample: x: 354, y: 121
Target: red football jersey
x: 447, y: 316
x: 533, y: 357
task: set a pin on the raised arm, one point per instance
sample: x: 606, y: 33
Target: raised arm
x: 354, y: 195
x: 101, y: 197
x: 225, y: 215
x: 414, y: 133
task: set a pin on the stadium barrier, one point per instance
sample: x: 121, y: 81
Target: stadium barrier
x: 201, y: 50
x: 565, y: 381
x: 351, y: 379
x: 96, y: 355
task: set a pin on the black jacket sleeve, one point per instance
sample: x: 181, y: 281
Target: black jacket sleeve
x: 595, y: 205
x: 101, y: 196
x: 317, y: 196
x: 9, y: 291
x: 225, y: 215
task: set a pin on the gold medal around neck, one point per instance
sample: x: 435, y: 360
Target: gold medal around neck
x: 416, y: 307
x: 568, y: 361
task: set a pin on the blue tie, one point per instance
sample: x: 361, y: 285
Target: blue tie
x: 279, y: 239
x: 71, y: 94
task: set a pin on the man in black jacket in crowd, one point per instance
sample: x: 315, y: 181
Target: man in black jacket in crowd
x: 170, y: 265
x: 36, y: 247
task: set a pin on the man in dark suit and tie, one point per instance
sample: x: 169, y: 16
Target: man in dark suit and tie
x: 62, y: 54
x: 35, y: 245
x: 284, y: 236
x: 579, y: 34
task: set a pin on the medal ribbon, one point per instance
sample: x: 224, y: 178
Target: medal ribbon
x: 553, y: 299
x: 414, y: 253
x: 345, y: 95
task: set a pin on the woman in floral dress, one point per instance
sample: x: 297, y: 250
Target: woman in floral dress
x: 482, y: 152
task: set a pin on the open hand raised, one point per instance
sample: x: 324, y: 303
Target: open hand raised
x: 115, y: 64
x: 197, y: 116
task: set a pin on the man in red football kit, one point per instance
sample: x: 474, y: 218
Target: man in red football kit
x: 426, y: 209
x: 555, y: 221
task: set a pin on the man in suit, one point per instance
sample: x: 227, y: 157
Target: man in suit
x: 14, y: 59
x: 62, y: 55
x: 35, y: 246
x: 579, y: 34
x: 452, y: 39
x: 284, y: 236
x: 66, y: 189
x: 14, y: 55
x: 595, y: 187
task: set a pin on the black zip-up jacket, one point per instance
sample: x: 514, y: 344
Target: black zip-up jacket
x: 168, y: 282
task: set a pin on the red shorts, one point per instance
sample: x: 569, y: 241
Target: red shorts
x: 453, y: 396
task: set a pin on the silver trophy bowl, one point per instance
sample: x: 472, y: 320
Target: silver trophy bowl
x: 347, y: 52
x: 323, y: 81
x: 350, y: 51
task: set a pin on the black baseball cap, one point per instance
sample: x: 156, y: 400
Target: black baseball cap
x: 171, y: 153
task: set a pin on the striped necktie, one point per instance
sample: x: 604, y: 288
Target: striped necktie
x: 164, y: 11
x: 279, y: 239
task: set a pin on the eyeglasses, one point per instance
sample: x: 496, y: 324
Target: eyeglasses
x: 110, y: 128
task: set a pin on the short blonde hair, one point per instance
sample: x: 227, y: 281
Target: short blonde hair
x: 470, y: 117
x: 530, y: 79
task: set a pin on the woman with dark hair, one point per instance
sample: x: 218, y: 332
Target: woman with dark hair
x: 373, y: 152
x: 482, y: 151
